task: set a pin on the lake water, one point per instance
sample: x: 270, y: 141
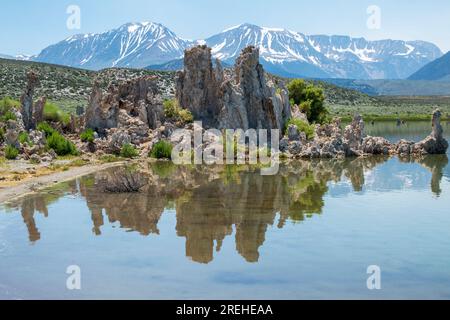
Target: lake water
x: 309, y: 232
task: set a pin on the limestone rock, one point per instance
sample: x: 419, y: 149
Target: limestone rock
x: 354, y: 135
x: 255, y: 103
x: 35, y: 158
x: 32, y: 113
x: 244, y: 100
x: 403, y: 148
x: 197, y: 88
x: 37, y: 138
x: 12, y: 133
x: 435, y: 143
x: 376, y: 145
x: 297, y: 114
x: 116, y: 139
x: 38, y: 111
x: 311, y: 151
x: 284, y: 144
x: 295, y: 148
x: 134, y: 99
x: 330, y: 130
x: 332, y: 148
x: 27, y: 99
x: 293, y: 133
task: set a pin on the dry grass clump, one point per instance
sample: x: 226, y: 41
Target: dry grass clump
x: 122, y: 180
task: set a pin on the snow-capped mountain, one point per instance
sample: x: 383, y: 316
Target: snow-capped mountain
x: 283, y: 52
x: 21, y: 57
x: 132, y: 45
x: 292, y: 53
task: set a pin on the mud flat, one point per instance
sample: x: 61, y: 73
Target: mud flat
x: 13, y: 190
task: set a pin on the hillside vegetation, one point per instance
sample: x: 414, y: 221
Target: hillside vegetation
x: 69, y: 87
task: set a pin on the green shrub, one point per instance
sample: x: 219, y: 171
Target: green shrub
x: 310, y: 100
x: 171, y: 108
x: 11, y: 152
x: 128, y: 151
x: 161, y: 150
x: 24, y: 138
x: 87, y: 136
x: 53, y: 113
x: 186, y: 116
x: 302, y: 126
x: 173, y: 111
x: 2, y: 134
x: 7, y: 104
x: 46, y: 128
x: 61, y: 145
x: 110, y: 158
x: 8, y: 115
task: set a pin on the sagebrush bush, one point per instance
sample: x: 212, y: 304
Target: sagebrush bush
x: 122, y: 180
x: 302, y: 126
x: 128, y: 151
x: 54, y: 114
x: 7, y: 104
x: 8, y: 115
x: 87, y: 136
x: 11, y: 152
x: 161, y: 150
x: 172, y: 110
x: 46, y: 128
x: 24, y: 138
x: 186, y: 116
x: 61, y: 145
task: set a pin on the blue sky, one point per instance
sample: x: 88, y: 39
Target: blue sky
x: 27, y: 26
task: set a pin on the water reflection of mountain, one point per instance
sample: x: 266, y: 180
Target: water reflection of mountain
x: 212, y: 203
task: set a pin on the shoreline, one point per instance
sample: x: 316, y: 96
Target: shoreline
x: 36, y: 184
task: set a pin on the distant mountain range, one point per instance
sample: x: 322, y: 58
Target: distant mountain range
x: 438, y: 69
x: 19, y: 57
x: 283, y: 52
x: 133, y: 45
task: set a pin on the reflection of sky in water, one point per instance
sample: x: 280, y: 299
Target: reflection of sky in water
x: 394, y: 175
x: 309, y: 232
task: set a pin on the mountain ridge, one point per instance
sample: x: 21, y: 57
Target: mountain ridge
x: 438, y: 69
x: 283, y: 52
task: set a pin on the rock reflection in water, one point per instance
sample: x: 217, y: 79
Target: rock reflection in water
x: 210, y: 201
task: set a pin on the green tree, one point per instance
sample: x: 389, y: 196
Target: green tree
x: 297, y: 89
x: 310, y: 99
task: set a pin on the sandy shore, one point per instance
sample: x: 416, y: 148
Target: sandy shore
x: 35, y: 184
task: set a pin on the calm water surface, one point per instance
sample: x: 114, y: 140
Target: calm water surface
x: 212, y: 232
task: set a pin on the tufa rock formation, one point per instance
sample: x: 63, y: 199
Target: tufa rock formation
x: 331, y: 142
x: 435, y: 142
x: 197, y: 87
x: 32, y: 113
x: 243, y: 100
x: 136, y: 101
